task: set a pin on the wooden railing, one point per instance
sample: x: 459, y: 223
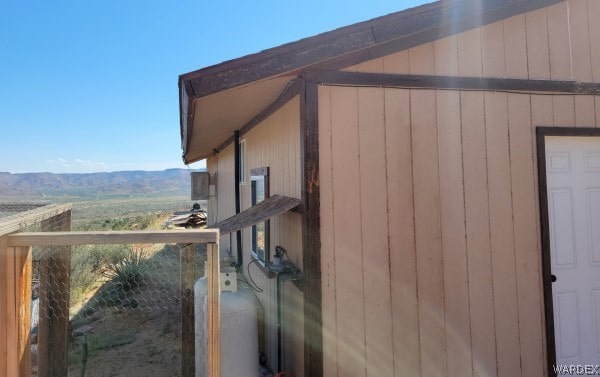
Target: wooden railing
x: 15, y: 291
x: 15, y: 285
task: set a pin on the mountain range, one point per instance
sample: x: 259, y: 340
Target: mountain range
x: 167, y: 182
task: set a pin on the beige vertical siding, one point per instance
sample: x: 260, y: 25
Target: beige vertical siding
x: 221, y: 166
x: 439, y: 237
x: 557, y: 42
x: 275, y: 143
x: 400, y: 217
x: 447, y: 179
x: 351, y: 351
x: 452, y: 209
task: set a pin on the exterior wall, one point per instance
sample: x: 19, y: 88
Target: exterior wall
x: 431, y: 253
x: 221, y: 203
x: 274, y: 143
x: 558, y: 42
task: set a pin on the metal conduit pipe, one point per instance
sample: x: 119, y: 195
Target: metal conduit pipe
x: 284, y: 271
x: 237, y: 173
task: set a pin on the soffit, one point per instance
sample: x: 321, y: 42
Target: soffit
x: 217, y: 116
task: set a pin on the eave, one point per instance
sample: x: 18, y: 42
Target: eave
x: 335, y: 50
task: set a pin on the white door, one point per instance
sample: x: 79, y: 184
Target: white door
x: 573, y: 176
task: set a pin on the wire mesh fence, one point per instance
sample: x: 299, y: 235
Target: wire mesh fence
x: 124, y: 308
x: 12, y: 208
x: 112, y: 309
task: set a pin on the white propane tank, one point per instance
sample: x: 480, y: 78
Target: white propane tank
x: 239, y: 332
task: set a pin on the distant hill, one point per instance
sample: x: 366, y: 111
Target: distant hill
x: 168, y: 182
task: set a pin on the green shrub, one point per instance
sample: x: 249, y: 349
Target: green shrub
x: 129, y: 272
x: 88, y: 263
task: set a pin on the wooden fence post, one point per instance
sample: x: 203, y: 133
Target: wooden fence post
x: 188, y: 352
x: 3, y: 304
x: 15, y: 310
x: 188, y: 341
x: 214, y: 309
x: 23, y: 273
x: 9, y: 333
x: 54, y: 302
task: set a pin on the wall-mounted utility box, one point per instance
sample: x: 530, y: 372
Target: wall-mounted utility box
x: 200, y: 182
x: 229, y: 280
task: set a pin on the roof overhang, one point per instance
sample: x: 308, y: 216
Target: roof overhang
x: 214, y: 118
x: 216, y: 100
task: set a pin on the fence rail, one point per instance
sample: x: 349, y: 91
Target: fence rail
x: 113, y: 237
x: 15, y: 288
x: 20, y: 221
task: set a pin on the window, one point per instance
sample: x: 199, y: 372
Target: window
x: 259, y: 181
x: 242, y: 161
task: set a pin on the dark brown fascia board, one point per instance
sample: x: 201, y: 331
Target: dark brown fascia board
x: 311, y: 230
x: 291, y: 90
x: 182, y: 124
x: 302, y: 44
x: 390, y: 80
x: 186, y: 119
x: 359, y: 42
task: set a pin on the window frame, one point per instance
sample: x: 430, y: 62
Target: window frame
x: 264, y: 174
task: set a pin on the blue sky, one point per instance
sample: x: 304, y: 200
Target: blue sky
x: 91, y: 85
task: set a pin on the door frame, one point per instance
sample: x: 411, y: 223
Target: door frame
x: 541, y: 133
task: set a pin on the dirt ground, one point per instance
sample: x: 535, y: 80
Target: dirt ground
x: 130, y: 343
x: 140, y: 336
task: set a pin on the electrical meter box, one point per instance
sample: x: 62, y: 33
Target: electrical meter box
x: 200, y: 183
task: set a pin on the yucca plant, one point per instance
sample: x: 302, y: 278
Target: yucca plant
x: 129, y: 272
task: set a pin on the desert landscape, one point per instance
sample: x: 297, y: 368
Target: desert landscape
x: 124, y: 299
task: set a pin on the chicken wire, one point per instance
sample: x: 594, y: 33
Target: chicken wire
x: 123, y: 304
x: 12, y: 208
x: 123, y: 299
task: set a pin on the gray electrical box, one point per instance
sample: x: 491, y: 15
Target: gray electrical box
x: 200, y: 181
